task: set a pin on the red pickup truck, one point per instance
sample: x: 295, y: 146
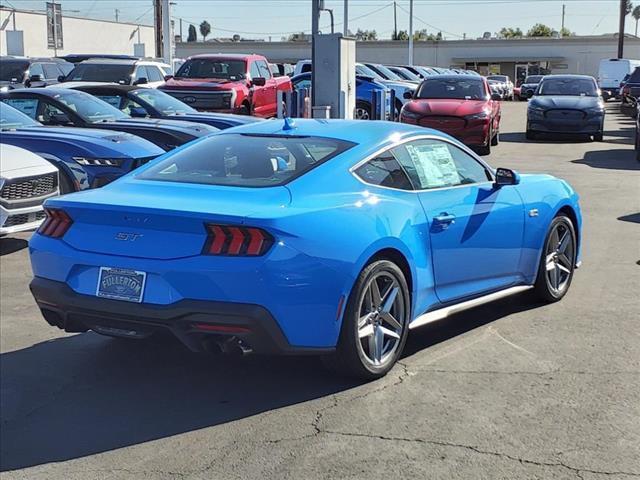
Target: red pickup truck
x: 227, y: 83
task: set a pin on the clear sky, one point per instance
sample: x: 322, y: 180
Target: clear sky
x: 278, y: 18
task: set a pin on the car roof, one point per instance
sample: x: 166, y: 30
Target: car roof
x: 569, y: 77
x: 40, y: 91
x: 449, y: 76
x: 356, y: 131
x: 235, y: 56
x: 98, y: 86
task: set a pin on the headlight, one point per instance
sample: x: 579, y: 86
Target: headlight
x: 595, y: 111
x: 478, y: 116
x: 99, y: 162
x: 409, y: 114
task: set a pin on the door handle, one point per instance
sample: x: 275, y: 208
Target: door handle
x: 444, y: 219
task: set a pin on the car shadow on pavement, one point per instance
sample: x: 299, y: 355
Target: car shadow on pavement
x: 84, y: 394
x: 618, y: 159
x: 519, y: 137
x: 11, y: 245
x: 634, y: 218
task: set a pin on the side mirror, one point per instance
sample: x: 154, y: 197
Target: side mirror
x: 496, y: 97
x: 259, y: 82
x: 168, y: 77
x: 505, y: 176
x: 59, y: 119
x: 61, y: 78
x: 407, y: 95
x: 141, y: 81
x: 35, y: 78
x: 138, y: 112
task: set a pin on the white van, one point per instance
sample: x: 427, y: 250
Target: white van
x: 612, y: 72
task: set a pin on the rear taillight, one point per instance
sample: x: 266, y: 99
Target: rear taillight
x: 236, y: 241
x: 56, y: 224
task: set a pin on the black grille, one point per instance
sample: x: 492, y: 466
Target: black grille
x: 212, y: 100
x: 559, y: 114
x: 21, y: 219
x: 30, y: 187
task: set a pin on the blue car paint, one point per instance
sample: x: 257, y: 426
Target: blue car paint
x: 59, y: 145
x: 328, y: 225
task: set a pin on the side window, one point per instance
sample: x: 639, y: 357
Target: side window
x: 384, y: 171
x: 436, y: 164
x: 303, y: 84
x: 154, y: 74
x: 113, y: 100
x: 264, y: 69
x: 305, y: 68
x: 141, y: 72
x: 36, y: 69
x: 51, y: 72
x: 255, y: 70
x: 128, y: 104
x: 28, y: 106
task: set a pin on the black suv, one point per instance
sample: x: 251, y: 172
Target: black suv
x: 19, y: 72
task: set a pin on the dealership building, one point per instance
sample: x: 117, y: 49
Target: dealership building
x: 515, y: 57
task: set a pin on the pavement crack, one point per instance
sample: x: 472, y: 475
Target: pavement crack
x: 576, y: 470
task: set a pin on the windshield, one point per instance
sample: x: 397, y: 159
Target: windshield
x: 13, y: 70
x: 101, y: 72
x: 89, y: 108
x: 12, y: 118
x: 388, y: 74
x: 582, y: 87
x: 533, y: 79
x: 463, y: 89
x: 222, y: 69
x: 367, y: 72
x: 162, y: 102
x: 499, y: 78
x: 407, y: 74
x: 245, y: 160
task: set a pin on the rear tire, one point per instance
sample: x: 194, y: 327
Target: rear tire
x: 557, y: 260
x: 375, y: 323
x: 530, y: 135
x: 363, y: 111
x: 495, y: 141
x: 598, y: 137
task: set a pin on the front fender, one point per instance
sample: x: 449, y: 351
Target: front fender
x: 76, y: 174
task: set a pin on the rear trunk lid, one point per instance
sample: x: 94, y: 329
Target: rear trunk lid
x: 159, y: 220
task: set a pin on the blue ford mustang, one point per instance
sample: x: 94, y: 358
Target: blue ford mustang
x: 326, y: 237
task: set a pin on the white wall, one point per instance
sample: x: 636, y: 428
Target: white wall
x: 578, y: 54
x: 80, y: 35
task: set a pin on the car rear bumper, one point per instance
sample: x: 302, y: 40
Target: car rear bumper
x: 196, y: 323
x: 20, y: 219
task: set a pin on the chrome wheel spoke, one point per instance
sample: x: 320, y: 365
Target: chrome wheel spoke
x: 377, y: 342
x: 389, y: 297
x: 564, y: 260
x: 564, y: 241
x: 366, y: 331
x: 389, y: 333
x: 554, y: 240
x: 555, y: 277
x: 563, y: 268
x: 390, y: 319
x: 376, y: 298
x: 550, y: 262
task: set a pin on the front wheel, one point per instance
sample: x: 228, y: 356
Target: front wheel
x: 363, y: 111
x: 557, y: 261
x: 375, y: 324
x: 598, y: 137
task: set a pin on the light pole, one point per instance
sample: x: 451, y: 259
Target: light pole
x: 411, y: 32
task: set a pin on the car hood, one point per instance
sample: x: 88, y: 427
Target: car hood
x: 100, y: 143
x: 191, y: 83
x: 453, y: 107
x: 182, y: 126
x: 21, y: 162
x: 564, y: 101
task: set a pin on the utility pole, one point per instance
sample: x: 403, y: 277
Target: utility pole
x: 345, y: 21
x: 117, y: 12
x: 564, y: 11
x: 316, y: 5
x: 157, y: 24
x: 181, y: 39
x: 395, y: 22
x: 167, y: 33
x: 623, y: 15
x: 410, y: 32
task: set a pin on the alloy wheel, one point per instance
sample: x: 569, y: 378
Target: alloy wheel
x: 381, y: 319
x: 559, y: 260
x: 362, y: 114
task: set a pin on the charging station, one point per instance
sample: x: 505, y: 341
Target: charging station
x: 334, y: 75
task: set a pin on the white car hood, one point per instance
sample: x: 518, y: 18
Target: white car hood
x: 17, y: 162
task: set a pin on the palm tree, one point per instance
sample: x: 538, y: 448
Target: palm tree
x: 636, y: 15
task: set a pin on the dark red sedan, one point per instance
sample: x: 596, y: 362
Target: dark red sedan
x: 459, y: 105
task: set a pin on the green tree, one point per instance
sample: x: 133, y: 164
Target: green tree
x: 636, y: 16
x: 401, y: 35
x: 565, y: 32
x: 193, y: 36
x: 367, y: 35
x: 628, y: 7
x: 540, y: 30
x: 205, y: 29
x: 510, y: 33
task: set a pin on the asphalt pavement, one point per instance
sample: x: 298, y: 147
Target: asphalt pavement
x: 510, y: 390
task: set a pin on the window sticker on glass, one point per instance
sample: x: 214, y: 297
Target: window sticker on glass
x: 25, y: 105
x: 434, y: 165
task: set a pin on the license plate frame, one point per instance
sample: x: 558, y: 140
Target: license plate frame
x: 121, y: 284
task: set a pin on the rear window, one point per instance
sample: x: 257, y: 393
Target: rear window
x: 246, y: 160
x: 96, y: 72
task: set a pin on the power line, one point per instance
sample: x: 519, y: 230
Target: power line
x: 428, y: 24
